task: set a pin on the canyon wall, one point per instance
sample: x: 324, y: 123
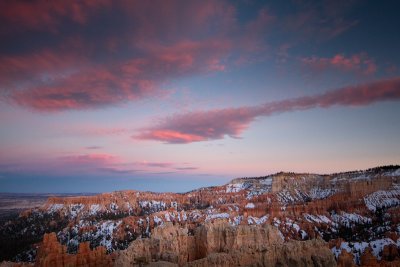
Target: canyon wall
x: 220, y: 244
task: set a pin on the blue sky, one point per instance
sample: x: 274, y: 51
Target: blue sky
x: 174, y: 95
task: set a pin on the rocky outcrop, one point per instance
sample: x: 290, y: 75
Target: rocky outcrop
x: 293, y: 253
x: 346, y: 259
x: 389, y: 258
x: 52, y: 254
x: 220, y: 244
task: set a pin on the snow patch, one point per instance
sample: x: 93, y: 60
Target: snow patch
x: 217, y: 216
x: 350, y: 219
x: 383, y: 199
x: 94, y: 209
x: 250, y: 206
x: 54, y: 208
x: 234, y: 188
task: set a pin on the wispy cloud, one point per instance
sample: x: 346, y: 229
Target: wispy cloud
x: 89, y: 164
x: 93, y: 147
x: 118, y: 171
x: 155, y: 164
x: 89, y: 158
x: 216, y: 124
x: 186, y: 168
x: 360, y: 63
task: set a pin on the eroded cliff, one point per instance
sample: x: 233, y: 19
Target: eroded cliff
x: 221, y: 244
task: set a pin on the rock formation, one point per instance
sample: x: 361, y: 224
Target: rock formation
x: 273, y: 219
x: 52, y: 254
x: 220, y: 244
x: 345, y: 259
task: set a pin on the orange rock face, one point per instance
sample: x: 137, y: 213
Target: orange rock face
x: 52, y: 254
x: 346, y: 259
x: 220, y: 244
x: 367, y: 259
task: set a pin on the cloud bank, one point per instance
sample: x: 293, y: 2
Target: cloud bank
x: 83, y: 55
x: 216, y: 124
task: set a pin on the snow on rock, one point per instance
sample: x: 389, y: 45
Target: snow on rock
x: 102, y: 233
x: 236, y: 220
x: 254, y: 220
x: 153, y: 204
x: 94, y: 209
x: 276, y: 222
x: 157, y: 220
x: 383, y: 199
x: 195, y: 215
x: 75, y: 209
x: 266, y: 181
x: 258, y: 188
x: 317, y: 218
x: 263, y: 219
x: 296, y: 227
x: 54, y: 208
x: 184, y: 216
x: 106, y: 230
x: 357, y: 248
x: 250, y: 206
x: 234, y: 188
x: 303, y: 234
x: 113, y: 206
x: 378, y: 245
x: 217, y: 216
x: 350, y: 219
x: 393, y: 173
x: 285, y: 197
x: 320, y: 193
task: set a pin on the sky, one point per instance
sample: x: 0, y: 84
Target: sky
x: 97, y: 96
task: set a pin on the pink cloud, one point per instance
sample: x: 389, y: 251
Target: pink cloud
x: 58, y: 83
x: 155, y: 164
x: 15, y: 70
x: 75, y: 71
x: 89, y: 159
x: 91, y: 130
x: 170, y: 136
x: 87, y: 89
x: 201, y: 126
x: 64, y: 165
x: 87, y: 163
x: 186, y: 56
x: 216, y: 124
x: 357, y: 63
x: 47, y: 15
